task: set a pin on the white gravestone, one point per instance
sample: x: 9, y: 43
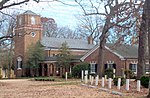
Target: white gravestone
x: 138, y: 85
x: 103, y: 82
x: 96, y: 80
x: 127, y: 84
x: 119, y: 83
x: 109, y: 83
x: 86, y: 80
x: 82, y: 75
x: 66, y: 76
x: 92, y: 79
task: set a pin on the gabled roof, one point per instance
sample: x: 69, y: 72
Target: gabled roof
x: 126, y: 51
x: 122, y: 51
x: 29, y: 12
x: 56, y: 43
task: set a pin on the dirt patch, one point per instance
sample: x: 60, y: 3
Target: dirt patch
x: 41, y: 89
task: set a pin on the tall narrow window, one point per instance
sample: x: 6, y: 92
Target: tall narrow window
x: 20, y: 20
x: 93, y: 68
x: 32, y: 20
x: 110, y: 65
x: 19, y: 62
x: 147, y: 68
x: 133, y: 67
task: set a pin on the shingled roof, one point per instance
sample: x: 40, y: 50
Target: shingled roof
x: 122, y: 51
x: 29, y: 12
x: 51, y: 42
x: 126, y: 51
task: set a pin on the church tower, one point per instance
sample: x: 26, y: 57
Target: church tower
x: 28, y: 30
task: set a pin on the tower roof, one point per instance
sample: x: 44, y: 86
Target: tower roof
x: 29, y: 12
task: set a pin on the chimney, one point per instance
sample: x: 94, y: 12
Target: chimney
x: 90, y: 40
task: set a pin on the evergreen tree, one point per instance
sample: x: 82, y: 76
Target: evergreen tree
x: 35, y: 54
x: 64, y: 57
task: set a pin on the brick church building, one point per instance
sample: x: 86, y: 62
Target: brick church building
x: 29, y: 30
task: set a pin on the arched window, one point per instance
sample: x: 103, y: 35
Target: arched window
x: 32, y: 20
x: 20, y: 20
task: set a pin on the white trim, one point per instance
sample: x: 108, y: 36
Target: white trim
x: 95, y: 48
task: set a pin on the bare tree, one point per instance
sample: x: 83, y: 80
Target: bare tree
x: 7, y: 3
x: 116, y: 14
x: 90, y: 26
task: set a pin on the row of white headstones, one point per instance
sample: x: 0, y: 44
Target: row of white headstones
x: 91, y: 78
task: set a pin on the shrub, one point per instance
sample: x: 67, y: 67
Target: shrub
x: 115, y: 80
x: 76, y: 71
x: 129, y: 74
x: 145, y: 81
x: 109, y: 73
x: 69, y: 75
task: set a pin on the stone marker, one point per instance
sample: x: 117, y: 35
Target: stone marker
x: 96, y: 80
x: 138, y: 85
x: 82, y: 75
x: 119, y: 83
x: 103, y: 82
x: 66, y: 76
x: 105, y: 77
x: 86, y: 80
x: 127, y: 84
x: 92, y: 79
x: 109, y: 83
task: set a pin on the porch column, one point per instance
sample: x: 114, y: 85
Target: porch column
x: 51, y: 69
x: 42, y: 69
x: 54, y: 71
x: 48, y: 71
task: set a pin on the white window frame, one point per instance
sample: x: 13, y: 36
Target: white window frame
x: 33, y: 34
x: 110, y: 64
x: 145, y: 68
x: 135, y: 64
x: 92, y: 68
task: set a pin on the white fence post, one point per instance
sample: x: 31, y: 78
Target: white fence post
x: 86, y: 80
x: 92, y: 79
x: 96, y: 80
x: 138, y: 85
x: 105, y: 77
x: 127, y: 84
x: 66, y: 76
x: 119, y: 83
x: 103, y: 82
x: 109, y: 83
x: 82, y: 75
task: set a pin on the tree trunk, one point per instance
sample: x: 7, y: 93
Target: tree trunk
x: 142, y: 44
x: 100, y: 67
x: 148, y: 8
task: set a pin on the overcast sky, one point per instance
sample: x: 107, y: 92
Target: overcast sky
x: 64, y: 15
